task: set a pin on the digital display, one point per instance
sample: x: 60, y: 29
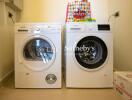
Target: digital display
x: 104, y: 27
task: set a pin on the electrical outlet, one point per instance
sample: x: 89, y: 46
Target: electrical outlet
x: 117, y: 14
x: 10, y: 15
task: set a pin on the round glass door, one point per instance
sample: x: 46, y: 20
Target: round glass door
x: 91, y: 52
x: 38, y: 53
x: 38, y: 50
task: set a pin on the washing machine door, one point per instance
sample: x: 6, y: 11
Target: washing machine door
x: 91, y: 53
x: 38, y: 53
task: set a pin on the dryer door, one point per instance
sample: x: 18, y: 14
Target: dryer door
x: 91, y: 52
x: 38, y: 53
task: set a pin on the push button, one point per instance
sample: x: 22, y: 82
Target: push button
x: 51, y: 78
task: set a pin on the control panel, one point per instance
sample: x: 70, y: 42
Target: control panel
x: 87, y: 27
x: 38, y: 28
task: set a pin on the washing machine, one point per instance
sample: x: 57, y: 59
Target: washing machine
x: 38, y: 55
x: 89, y: 55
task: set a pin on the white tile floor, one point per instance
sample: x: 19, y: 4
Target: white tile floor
x: 8, y: 92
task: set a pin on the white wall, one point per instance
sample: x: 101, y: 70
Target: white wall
x: 122, y: 29
x: 6, y: 41
x: 100, y: 10
x: 43, y: 11
x: 55, y: 10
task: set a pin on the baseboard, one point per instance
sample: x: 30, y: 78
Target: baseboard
x: 5, y: 77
